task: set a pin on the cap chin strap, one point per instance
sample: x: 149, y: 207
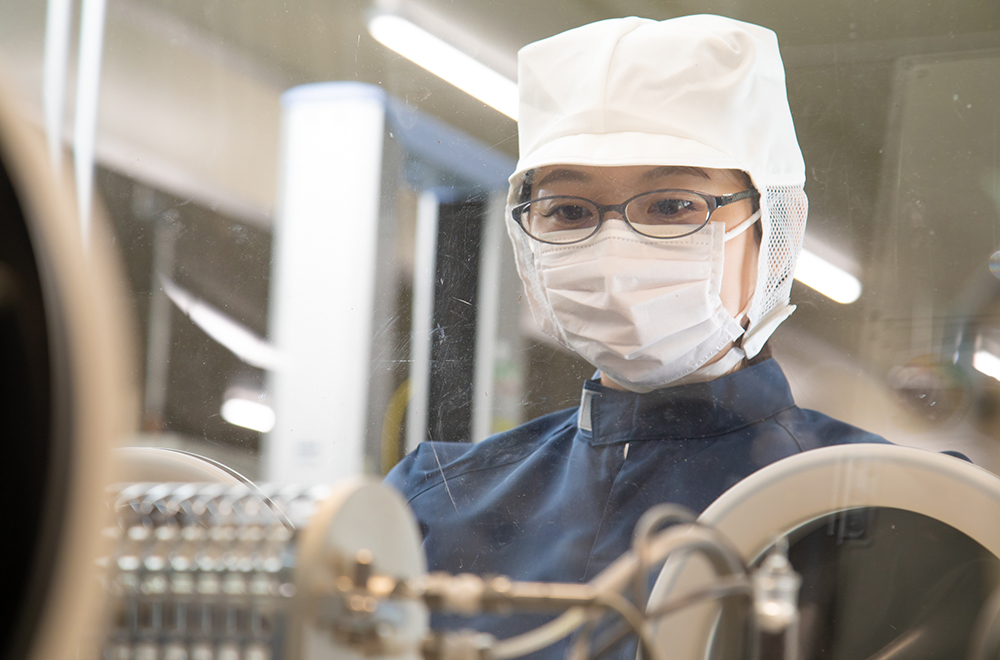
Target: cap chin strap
x: 720, y: 367
x: 755, y: 337
x: 723, y: 365
x: 747, y: 347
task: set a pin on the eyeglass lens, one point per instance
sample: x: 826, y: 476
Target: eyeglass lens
x: 658, y: 214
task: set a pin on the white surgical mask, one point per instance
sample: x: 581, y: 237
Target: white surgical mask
x: 646, y: 312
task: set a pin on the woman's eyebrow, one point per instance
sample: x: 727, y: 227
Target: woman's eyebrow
x: 563, y: 175
x: 670, y: 170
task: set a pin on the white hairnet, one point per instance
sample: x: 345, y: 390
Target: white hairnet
x: 703, y: 91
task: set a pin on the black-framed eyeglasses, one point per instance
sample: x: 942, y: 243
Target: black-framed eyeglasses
x: 665, y: 214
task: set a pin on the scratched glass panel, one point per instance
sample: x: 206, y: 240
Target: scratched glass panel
x: 312, y: 227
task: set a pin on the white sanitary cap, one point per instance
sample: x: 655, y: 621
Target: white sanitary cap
x: 701, y: 91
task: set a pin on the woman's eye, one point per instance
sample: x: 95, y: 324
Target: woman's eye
x: 570, y: 213
x: 669, y: 207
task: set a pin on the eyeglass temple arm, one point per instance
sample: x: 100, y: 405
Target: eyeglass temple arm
x: 723, y: 200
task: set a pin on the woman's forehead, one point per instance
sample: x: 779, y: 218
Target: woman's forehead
x: 634, y: 175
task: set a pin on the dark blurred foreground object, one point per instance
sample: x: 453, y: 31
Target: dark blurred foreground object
x: 897, y: 548
x: 61, y: 403
x: 889, y: 584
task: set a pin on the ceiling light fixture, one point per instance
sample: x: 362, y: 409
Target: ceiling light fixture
x: 245, y: 408
x: 833, y: 282
x: 445, y: 61
x: 985, y: 362
x: 238, y: 339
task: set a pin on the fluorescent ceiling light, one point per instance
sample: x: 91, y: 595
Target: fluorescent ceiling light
x: 249, y: 414
x: 833, y: 282
x: 446, y: 61
x: 240, y: 340
x: 986, y: 363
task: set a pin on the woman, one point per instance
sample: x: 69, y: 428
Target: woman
x: 656, y: 213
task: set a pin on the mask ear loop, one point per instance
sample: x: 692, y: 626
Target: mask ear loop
x: 730, y: 235
x: 743, y: 226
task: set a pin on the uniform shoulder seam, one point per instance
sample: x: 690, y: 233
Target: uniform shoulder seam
x: 788, y: 431
x: 441, y: 480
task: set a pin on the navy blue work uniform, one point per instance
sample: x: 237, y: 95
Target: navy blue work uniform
x: 557, y: 499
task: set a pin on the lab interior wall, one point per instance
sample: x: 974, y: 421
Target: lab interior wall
x: 897, y: 110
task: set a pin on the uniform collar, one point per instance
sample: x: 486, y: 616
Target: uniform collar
x: 697, y: 410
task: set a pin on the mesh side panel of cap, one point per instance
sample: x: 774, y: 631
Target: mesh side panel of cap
x: 788, y: 208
